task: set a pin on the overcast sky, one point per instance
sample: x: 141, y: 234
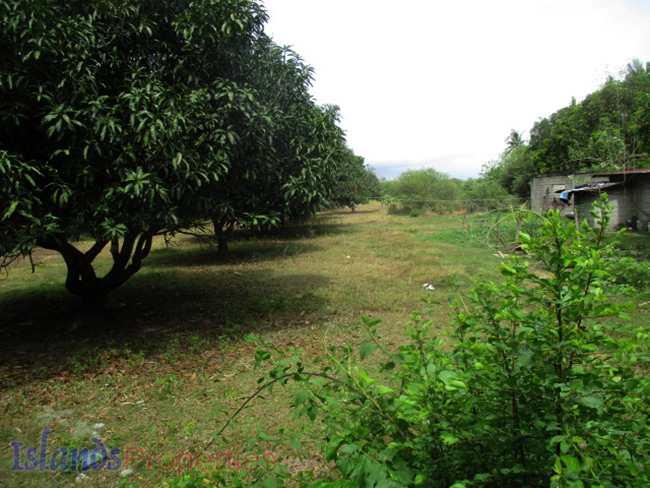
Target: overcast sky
x: 429, y: 83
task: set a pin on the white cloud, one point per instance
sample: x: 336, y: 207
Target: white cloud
x: 421, y: 82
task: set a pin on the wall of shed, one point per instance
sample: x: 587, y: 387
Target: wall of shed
x: 543, y: 193
x: 630, y: 200
x: 618, y: 198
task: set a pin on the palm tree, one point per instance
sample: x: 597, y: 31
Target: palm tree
x: 635, y: 67
x: 513, y: 140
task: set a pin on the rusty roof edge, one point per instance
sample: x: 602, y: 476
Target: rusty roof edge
x: 625, y: 172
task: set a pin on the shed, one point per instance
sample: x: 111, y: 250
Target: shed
x: 546, y: 189
x: 628, y: 191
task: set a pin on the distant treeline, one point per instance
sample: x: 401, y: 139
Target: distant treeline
x: 608, y: 130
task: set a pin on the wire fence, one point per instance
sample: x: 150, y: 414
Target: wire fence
x: 495, y: 222
x: 500, y: 227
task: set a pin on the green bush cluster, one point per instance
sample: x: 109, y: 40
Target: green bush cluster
x: 529, y: 389
x: 415, y: 192
x: 631, y: 271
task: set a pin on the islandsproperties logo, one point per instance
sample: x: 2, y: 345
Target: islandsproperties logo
x: 100, y: 457
x: 32, y: 458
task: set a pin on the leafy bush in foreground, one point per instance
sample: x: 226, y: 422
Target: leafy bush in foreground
x: 529, y: 390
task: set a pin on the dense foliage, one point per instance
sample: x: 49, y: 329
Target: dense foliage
x: 608, y: 130
x: 121, y: 120
x: 426, y: 189
x: 530, y: 390
x: 356, y: 183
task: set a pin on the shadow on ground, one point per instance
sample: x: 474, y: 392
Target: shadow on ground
x: 349, y: 212
x: 183, y: 291
x: 206, y: 253
x: 245, y: 247
x: 46, y: 335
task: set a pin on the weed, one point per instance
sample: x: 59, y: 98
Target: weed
x: 84, y: 358
x: 167, y: 387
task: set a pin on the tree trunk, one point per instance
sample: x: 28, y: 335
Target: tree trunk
x: 222, y: 230
x: 81, y: 278
x: 222, y: 246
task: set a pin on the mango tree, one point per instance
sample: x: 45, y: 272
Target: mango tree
x: 356, y: 184
x: 291, y: 175
x: 115, y: 117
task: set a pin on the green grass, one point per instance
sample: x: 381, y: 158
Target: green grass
x: 166, y: 364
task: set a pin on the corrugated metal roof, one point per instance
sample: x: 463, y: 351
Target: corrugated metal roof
x: 597, y: 187
x: 626, y: 172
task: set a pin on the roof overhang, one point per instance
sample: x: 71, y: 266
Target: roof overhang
x: 598, y: 187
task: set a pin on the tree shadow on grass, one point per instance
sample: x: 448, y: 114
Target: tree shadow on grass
x: 46, y: 334
x: 350, y: 212
x: 307, y: 230
x: 245, y: 247
x: 248, y: 251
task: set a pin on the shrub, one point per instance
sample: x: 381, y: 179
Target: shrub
x: 630, y: 271
x: 425, y: 189
x: 528, y: 390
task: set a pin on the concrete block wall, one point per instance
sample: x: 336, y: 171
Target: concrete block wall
x: 620, y: 201
x: 629, y: 201
x: 642, y: 199
x: 542, y: 195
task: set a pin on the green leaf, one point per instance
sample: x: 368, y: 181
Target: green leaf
x: 449, y: 438
x: 302, y: 396
x: 451, y: 380
x: 331, y: 452
x: 11, y: 209
x: 364, y: 376
x: 368, y: 322
x: 384, y: 390
x: 572, y: 464
x: 389, y: 366
x: 592, y: 401
x: 366, y: 349
x: 262, y: 355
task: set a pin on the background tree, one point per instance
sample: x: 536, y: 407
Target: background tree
x: 356, y: 183
x: 486, y: 193
x: 514, y: 140
x: 370, y: 186
x: 425, y: 189
x: 609, y: 129
x: 284, y: 168
x: 513, y: 170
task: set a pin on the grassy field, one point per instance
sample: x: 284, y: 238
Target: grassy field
x: 166, y: 364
